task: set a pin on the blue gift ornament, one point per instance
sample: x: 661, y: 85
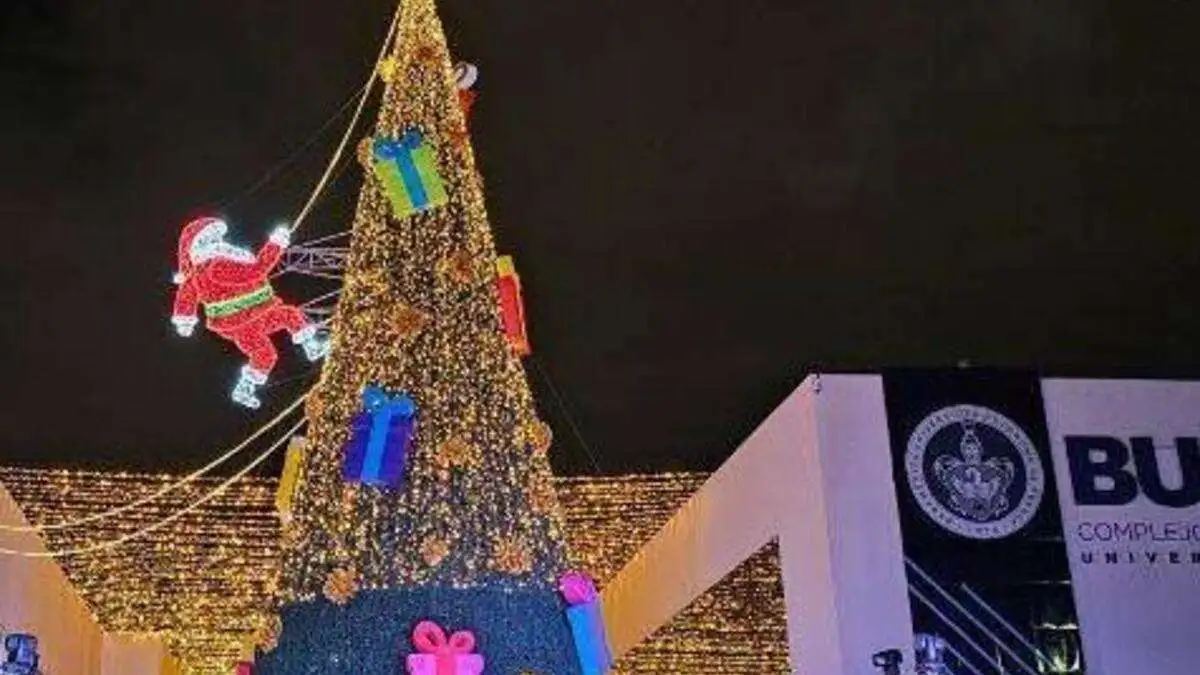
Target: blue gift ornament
x: 586, y: 617
x: 22, y: 656
x: 379, y: 439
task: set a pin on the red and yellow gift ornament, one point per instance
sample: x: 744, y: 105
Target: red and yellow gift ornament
x: 512, y: 306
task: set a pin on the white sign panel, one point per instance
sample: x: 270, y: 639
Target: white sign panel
x: 1127, y: 462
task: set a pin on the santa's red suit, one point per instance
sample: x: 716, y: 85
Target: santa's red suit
x: 239, y: 304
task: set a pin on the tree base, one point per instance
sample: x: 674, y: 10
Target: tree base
x: 518, y: 631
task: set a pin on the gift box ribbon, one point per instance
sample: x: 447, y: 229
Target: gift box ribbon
x: 382, y: 408
x: 400, y: 151
x: 429, y: 638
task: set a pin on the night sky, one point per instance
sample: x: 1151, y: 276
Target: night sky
x: 706, y: 199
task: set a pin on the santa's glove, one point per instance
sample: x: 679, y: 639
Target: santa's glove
x: 184, y: 325
x: 281, y: 236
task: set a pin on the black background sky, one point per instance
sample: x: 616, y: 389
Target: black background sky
x: 707, y: 199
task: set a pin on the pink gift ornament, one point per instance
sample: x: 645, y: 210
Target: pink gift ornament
x: 577, y: 589
x: 442, y: 656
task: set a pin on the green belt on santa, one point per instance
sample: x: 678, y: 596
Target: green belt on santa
x: 238, y: 303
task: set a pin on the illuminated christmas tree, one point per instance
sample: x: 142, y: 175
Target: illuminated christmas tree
x: 467, y: 532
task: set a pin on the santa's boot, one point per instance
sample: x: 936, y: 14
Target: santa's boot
x: 315, y: 344
x: 243, y: 391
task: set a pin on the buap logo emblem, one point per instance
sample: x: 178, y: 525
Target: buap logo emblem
x: 975, y: 472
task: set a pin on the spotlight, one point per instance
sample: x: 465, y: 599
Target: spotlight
x: 888, y: 661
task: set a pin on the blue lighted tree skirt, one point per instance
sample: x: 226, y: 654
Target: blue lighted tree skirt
x: 516, y: 631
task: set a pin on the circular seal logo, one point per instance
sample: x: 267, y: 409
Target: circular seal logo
x: 974, y: 472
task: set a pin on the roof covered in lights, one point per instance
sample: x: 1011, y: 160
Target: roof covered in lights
x: 202, y: 581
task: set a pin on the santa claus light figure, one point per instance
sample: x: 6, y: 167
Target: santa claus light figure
x: 232, y: 284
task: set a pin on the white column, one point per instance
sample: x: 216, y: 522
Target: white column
x: 862, y: 521
x: 37, y: 598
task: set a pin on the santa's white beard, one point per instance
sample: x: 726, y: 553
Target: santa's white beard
x: 225, y: 251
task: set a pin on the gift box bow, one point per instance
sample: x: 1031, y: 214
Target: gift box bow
x: 375, y: 401
x: 441, y: 655
x: 382, y: 408
x: 371, y: 430
x: 396, y: 149
x: 429, y: 638
x: 577, y: 589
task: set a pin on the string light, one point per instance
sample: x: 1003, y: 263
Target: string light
x: 109, y: 544
x: 204, y: 584
x: 358, y: 110
x: 189, y: 478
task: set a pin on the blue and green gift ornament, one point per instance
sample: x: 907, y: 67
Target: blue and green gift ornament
x: 406, y: 168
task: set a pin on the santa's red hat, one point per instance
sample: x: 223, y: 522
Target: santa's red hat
x: 188, y: 236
